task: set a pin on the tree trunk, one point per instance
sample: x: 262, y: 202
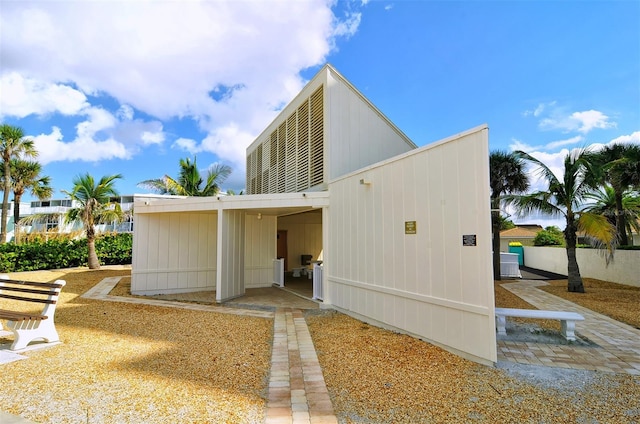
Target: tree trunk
x: 93, y: 261
x: 495, y: 226
x: 620, y: 220
x: 16, y: 218
x: 573, y: 271
x: 5, y: 202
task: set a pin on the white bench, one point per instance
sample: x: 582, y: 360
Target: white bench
x: 568, y: 319
x: 30, y: 326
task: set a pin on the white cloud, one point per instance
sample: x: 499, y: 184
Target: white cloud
x: 165, y: 58
x: 633, y: 138
x: 52, y: 147
x: 554, y: 117
x: 591, y: 119
x: 568, y: 142
x: 539, y: 109
x: 149, y: 137
x: 520, y: 145
x: 22, y: 97
x: 187, y: 144
x: 582, y: 122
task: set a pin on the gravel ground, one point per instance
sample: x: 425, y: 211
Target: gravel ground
x: 126, y: 363
x: 122, y: 363
x: 377, y: 376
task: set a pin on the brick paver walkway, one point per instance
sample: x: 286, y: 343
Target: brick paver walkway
x: 617, y: 344
x: 297, y: 391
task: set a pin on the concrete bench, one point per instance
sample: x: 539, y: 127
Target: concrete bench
x: 30, y: 326
x: 567, y: 319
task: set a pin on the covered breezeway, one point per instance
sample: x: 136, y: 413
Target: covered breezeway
x: 220, y: 244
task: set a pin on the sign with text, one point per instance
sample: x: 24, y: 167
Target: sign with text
x: 410, y: 227
x: 469, y: 240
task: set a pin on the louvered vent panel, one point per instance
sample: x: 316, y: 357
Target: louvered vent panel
x: 265, y: 181
x: 292, y: 157
x: 317, y: 137
x: 282, y: 134
x: 248, y: 173
x: 259, y: 170
x: 273, y: 163
x: 251, y: 169
x: 303, y: 146
x: 291, y: 153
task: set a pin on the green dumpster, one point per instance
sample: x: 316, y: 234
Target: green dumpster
x: 517, y: 248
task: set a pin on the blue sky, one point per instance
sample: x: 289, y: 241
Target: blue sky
x: 131, y: 87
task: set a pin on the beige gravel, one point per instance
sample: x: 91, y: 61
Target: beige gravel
x: 377, y: 376
x: 127, y: 363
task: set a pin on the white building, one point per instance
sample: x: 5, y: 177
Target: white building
x: 54, y: 211
x: 403, y: 232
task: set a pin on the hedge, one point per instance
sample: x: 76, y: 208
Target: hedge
x: 112, y: 249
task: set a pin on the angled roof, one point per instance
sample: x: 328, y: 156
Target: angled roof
x: 519, y: 232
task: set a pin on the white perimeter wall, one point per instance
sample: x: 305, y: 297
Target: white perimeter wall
x: 174, y: 252
x: 426, y: 284
x: 625, y: 268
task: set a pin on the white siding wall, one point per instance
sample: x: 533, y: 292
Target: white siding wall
x: 357, y: 134
x: 174, y: 252
x: 625, y: 269
x: 304, y: 236
x: 230, y: 268
x: 427, y: 284
x: 260, y: 244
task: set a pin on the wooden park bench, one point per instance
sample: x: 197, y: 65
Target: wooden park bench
x: 30, y: 326
x: 567, y: 319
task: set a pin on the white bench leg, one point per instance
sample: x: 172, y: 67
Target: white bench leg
x: 568, y: 330
x: 501, y: 325
x: 27, y: 331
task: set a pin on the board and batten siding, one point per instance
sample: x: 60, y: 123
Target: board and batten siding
x: 230, y: 269
x: 177, y: 254
x: 358, y: 134
x: 260, y: 245
x: 427, y: 284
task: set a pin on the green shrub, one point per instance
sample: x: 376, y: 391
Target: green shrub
x: 550, y: 236
x: 63, y: 252
x: 114, y: 249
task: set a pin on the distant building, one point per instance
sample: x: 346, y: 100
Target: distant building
x: 523, y: 233
x: 53, y: 213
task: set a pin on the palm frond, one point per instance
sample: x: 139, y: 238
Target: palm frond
x: 600, y: 233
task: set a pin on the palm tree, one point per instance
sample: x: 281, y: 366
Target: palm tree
x: 620, y: 166
x: 506, y: 175
x: 605, y: 201
x: 189, y: 181
x: 95, y: 208
x: 25, y: 175
x: 13, y: 144
x: 565, y: 197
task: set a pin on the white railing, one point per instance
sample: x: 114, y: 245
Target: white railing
x: 278, y: 272
x: 317, y: 282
